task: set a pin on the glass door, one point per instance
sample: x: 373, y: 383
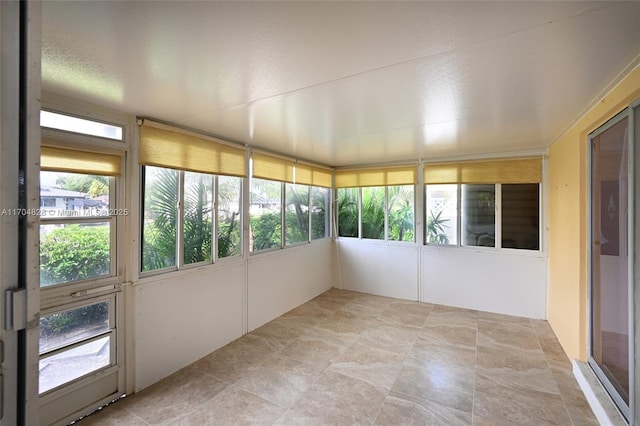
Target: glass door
x: 610, y: 279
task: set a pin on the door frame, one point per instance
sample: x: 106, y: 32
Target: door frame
x: 628, y: 411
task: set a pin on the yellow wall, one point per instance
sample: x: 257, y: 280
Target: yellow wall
x: 567, y: 310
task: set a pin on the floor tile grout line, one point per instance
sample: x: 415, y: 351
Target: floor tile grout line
x: 546, y: 359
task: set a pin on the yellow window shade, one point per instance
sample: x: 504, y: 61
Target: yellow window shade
x: 405, y: 175
x: 164, y: 147
x: 310, y: 175
x: 274, y: 168
x: 516, y: 170
x: 70, y: 160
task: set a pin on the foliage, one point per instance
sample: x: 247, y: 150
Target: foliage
x: 266, y: 231
x: 401, y: 213
x: 319, y: 200
x: 297, y: 215
x: 74, y: 252
x: 400, y: 217
x: 89, y: 184
x: 160, y: 200
x: 74, y: 319
x: 436, y: 228
x: 373, y: 213
x: 348, y: 212
x: 160, y: 233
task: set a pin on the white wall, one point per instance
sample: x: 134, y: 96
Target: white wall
x: 281, y: 280
x: 376, y: 267
x: 502, y: 281
x: 183, y: 316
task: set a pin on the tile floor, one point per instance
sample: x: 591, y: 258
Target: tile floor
x: 353, y: 358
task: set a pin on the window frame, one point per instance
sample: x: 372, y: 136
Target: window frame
x: 359, y: 195
x: 498, y: 223
x: 115, y: 222
x: 180, y: 264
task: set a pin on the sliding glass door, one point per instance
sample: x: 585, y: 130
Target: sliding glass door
x: 611, y: 284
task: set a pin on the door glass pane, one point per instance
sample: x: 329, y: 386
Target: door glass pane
x: 69, y: 195
x: 478, y: 215
x: 68, y: 123
x: 73, y: 252
x: 74, y: 363
x: 609, y: 261
x: 64, y: 328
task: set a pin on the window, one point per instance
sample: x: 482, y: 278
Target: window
x: 182, y: 175
x: 521, y: 216
x: 190, y: 239
x: 376, y: 203
x: 229, y: 210
x: 401, y: 208
x: 372, y: 212
x: 320, y: 202
x: 288, y: 202
x: 386, y: 212
x: 265, y: 214
x: 54, y: 120
x: 498, y: 201
x: 442, y: 214
x: 197, y: 217
x: 76, y: 238
x: 75, y: 342
x: 296, y: 214
x: 159, y: 218
x: 348, y: 212
x: 478, y: 215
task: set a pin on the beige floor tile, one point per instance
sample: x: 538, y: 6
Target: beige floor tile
x: 337, y: 398
x: 400, y: 409
x: 452, y: 334
x: 277, y: 335
x: 174, y: 396
x: 389, y: 336
x: 368, y: 363
x: 437, y: 381
x: 348, y: 358
x: 233, y: 406
x: 495, y: 403
x: 113, y: 415
x: 232, y: 361
x: 279, y: 379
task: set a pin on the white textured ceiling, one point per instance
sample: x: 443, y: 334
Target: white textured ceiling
x: 345, y: 83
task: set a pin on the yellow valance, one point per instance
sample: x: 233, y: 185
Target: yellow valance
x: 163, y: 146
x: 73, y: 161
x: 273, y: 168
x: 384, y: 176
x: 310, y: 175
x: 514, y: 170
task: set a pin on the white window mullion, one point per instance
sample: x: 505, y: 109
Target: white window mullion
x: 360, y: 212
x: 180, y: 222
x: 214, y: 220
x: 498, y: 217
x: 386, y: 213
